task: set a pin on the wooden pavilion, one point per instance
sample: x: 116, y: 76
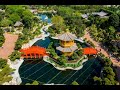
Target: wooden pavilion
x: 67, y: 45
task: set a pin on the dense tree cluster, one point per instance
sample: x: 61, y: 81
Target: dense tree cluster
x: 3, y: 63
x: 26, y: 36
x: 14, y: 13
x: 90, y: 43
x: 67, y: 18
x: 80, y: 52
x: 51, y: 50
x: 62, y: 59
x: 5, y: 74
x: 2, y: 39
x: 75, y: 56
x: 58, y: 25
x: 79, y: 46
x: 104, y: 30
x: 15, y: 55
x: 107, y: 76
x: 86, y: 8
x: 114, y: 20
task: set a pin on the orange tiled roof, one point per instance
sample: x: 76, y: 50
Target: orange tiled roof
x: 34, y: 49
x: 89, y: 51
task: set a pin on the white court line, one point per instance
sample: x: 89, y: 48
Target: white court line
x: 30, y: 68
x: 71, y: 76
x: 38, y: 70
x: 54, y: 77
x: 84, y: 71
x: 27, y: 64
x: 90, y: 74
x: 68, y: 74
x: 27, y: 78
x: 64, y: 77
x: 44, y: 73
x: 87, y: 77
x: 76, y: 72
x: 31, y: 79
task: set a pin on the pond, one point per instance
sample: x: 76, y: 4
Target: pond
x: 44, y: 72
x: 44, y: 18
x: 43, y: 43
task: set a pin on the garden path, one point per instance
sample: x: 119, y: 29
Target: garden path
x: 103, y: 51
x: 8, y: 45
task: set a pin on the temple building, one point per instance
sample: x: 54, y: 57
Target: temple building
x: 67, y: 44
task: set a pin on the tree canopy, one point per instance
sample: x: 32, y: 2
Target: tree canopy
x: 3, y: 63
x: 2, y: 38
x: 14, y: 17
x: 15, y: 55
x: 114, y: 20
x: 5, y: 74
x: 58, y: 21
x: 6, y: 22
x: 27, y: 21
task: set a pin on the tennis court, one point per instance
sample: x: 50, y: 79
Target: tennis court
x: 46, y: 73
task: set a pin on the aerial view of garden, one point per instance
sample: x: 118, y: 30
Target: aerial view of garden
x: 59, y: 44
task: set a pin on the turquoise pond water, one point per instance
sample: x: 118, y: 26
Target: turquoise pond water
x: 43, y: 43
x: 44, y: 18
x: 44, y: 72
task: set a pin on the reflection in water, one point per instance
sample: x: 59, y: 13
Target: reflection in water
x: 38, y: 69
x: 43, y: 43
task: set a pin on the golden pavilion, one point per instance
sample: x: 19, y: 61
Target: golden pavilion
x: 67, y: 44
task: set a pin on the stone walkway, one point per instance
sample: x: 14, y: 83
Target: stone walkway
x: 103, y: 51
x: 8, y: 46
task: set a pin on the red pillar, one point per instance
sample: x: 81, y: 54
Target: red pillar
x: 26, y: 56
x: 39, y: 55
x: 30, y: 56
x: 35, y: 55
